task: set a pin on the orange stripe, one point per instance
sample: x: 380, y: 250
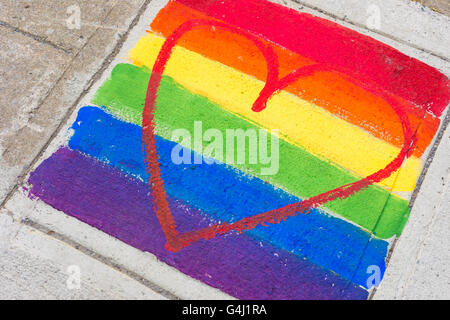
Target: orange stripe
x: 326, y: 89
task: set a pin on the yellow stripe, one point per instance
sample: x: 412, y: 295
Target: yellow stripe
x: 299, y: 122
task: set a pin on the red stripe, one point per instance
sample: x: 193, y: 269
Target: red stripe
x: 328, y: 42
x: 175, y: 240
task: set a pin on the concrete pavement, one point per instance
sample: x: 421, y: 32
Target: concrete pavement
x: 50, y: 67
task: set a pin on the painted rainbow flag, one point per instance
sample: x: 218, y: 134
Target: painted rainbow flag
x: 347, y: 120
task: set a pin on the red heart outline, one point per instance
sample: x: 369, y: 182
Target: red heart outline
x: 175, y: 240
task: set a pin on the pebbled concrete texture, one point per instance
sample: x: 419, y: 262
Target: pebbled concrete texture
x: 38, y: 243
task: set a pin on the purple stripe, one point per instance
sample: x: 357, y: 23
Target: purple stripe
x: 236, y: 264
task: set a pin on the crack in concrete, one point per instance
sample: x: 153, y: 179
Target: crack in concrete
x: 83, y: 24
x: 436, y: 211
x: 38, y: 38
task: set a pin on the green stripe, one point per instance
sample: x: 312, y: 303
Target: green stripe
x: 300, y: 173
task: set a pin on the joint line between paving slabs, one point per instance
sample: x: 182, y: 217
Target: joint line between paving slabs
x: 389, y: 253
x: 372, y: 236
x: 430, y: 158
x: 107, y: 261
x: 397, y: 173
x: 416, y: 191
x: 97, y: 75
x: 38, y: 38
x: 359, y: 25
x: 421, y: 245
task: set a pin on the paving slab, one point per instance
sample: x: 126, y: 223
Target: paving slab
x: 121, y: 256
x: 28, y: 72
x: 130, y: 260
x: 66, y: 24
x: 37, y: 266
x: 59, y: 79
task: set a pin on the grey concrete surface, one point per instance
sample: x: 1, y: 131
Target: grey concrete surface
x: 35, y: 104
x: 402, y: 20
x: 82, y: 68
x: 28, y: 72
x: 49, y: 20
x: 111, y: 251
x: 420, y: 263
x: 37, y: 266
x: 81, y: 59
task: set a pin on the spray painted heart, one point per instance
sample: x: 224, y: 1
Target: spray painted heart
x: 175, y: 240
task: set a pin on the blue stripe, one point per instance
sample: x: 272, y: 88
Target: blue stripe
x: 229, y: 195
